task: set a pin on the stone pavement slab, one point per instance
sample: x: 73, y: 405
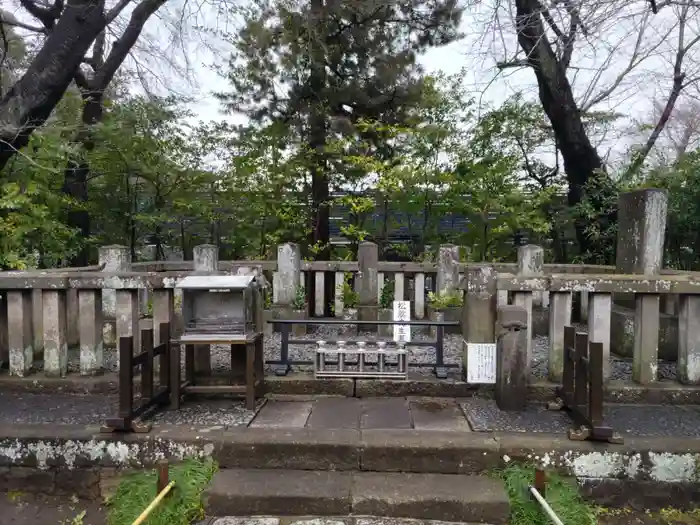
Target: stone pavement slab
x: 385, y: 412
x: 278, y: 492
x: 438, y: 414
x: 479, y: 499
x: 335, y: 412
x: 340, y: 520
x: 456, y: 498
x: 283, y: 414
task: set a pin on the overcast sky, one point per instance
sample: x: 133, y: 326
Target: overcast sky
x: 597, y: 65
x: 613, y: 32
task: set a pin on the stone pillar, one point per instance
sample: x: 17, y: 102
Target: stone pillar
x: 287, y: 279
x: 640, y: 243
x: 4, y: 344
x: 116, y: 258
x: 641, y: 226
x: 531, y: 264
x: 689, y: 340
x: 163, y: 312
x: 524, y: 300
x: 645, y: 360
x: 599, y: 317
x: 559, y: 317
x: 90, y: 330
x: 367, y: 282
x: 20, y: 336
x: 38, y: 321
x: 72, y: 315
x: 128, y: 318
x: 447, y: 268
x: 419, y: 295
x: 512, y: 365
x: 479, y: 308
x: 206, y: 259
x: 55, y: 327
x: 206, y: 262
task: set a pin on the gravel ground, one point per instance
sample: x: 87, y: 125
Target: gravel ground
x: 621, y: 367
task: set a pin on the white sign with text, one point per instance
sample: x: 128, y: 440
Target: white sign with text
x: 481, y: 363
x: 402, y: 312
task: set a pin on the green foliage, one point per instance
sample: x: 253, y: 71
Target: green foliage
x: 445, y: 299
x: 299, y: 302
x: 182, y: 507
x: 598, y: 212
x: 350, y: 297
x: 386, y: 296
x: 682, y: 182
x: 562, y: 495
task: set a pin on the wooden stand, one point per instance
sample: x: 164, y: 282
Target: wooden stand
x: 254, y: 369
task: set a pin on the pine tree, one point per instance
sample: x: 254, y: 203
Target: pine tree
x: 321, y: 66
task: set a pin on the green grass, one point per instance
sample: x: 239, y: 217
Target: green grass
x: 562, y: 495
x: 181, y: 507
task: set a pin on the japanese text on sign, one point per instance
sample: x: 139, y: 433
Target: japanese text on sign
x: 402, y: 312
x: 481, y: 363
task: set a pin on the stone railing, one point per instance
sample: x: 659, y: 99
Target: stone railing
x: 39, y: 313
x: 43, y: 313
x: 647, y: 292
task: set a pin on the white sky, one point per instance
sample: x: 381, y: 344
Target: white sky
x: 613, y: 27
x: 597, y: 62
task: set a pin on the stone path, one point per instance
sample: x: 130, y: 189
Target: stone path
x: 368, y: 413
x: 465, y: 415
x: 456, y: 415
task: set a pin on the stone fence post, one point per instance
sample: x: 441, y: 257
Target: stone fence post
x: 206, y: 262
x: 511, y: 358
x: 447, y: 268
x: 116, y: 258
x: 478, y: 315
x: 287, y: 279
x: 479, y: 309
x: 640, y: 244
x: 367, y: 282
x: 531, y: 264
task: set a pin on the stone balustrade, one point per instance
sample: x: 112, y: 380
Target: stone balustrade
x: 647, y: 291
x: 43, y: 313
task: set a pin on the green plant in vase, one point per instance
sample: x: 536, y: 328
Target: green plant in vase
x: 386, y: 297
x: 445, y: 299
x: 299, y: 302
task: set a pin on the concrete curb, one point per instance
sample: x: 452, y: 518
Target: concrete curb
x: 53, y: 459
x: 74, y: 447
x: 303, y: 384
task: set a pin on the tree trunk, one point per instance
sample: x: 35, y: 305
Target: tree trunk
x: 30, y: 101
x: 581, y: 160
x: 77, y: 174
x: 320, y: 192
x: 93, y: 90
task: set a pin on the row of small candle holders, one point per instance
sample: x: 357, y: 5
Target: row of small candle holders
x: 361, y: 349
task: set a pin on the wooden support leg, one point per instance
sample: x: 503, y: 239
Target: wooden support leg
x: 250, y: 377
x: 175, y: 376
x: 259, y: 367
x: 189, y: 364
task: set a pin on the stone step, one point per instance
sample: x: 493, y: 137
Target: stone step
x: 444, y: 497
x: 407, y: 450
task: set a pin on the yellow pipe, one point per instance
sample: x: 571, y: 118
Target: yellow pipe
x: 154, y: 503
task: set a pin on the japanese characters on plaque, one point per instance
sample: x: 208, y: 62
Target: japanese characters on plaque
x: 481, y: 363
x: 402, y: 312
